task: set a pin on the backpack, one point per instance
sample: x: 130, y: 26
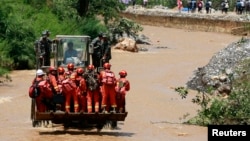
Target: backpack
x: 34, y: 90
x: 109, y: 78
x: 91, y: 81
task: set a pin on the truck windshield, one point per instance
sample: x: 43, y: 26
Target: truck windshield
x: 72, y: 49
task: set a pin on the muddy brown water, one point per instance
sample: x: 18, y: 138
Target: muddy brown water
x: 155, y: 111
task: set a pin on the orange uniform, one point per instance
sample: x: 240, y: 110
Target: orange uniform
x: 43, y: 91
x: 61, y: 76
x: 41, y: 107
x: 52, y: 79
x: 81, y: 89
x: 60, y: 79
x: 123, y: 85
x: 53, y: 82
x: 57, y: 96
x: 93, y: 89
x: 71, y: 69
x: 108, y: 82
x: 70, y: 89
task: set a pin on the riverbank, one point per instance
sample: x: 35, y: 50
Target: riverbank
x: 215, y: 22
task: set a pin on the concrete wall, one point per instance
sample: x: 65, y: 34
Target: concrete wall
x: 189, y: 23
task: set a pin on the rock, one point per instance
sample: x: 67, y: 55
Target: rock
x: 223, y: 64
x: 142, y: 39
x: 126, y: 44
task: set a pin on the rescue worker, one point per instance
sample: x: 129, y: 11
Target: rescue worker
x: 93, y: 89
x: 42, y: 94
x: 102, y: 51
x: 43, y: 48
x: 61, y: 74
x: 41, y: 107
x: 70, y: 89
x: 56, y: 91
x: 123, y: 85
x: 52, y: 80
x: 108, y: 82
x: 71, y: 69
x: 81, y: 89
x: 60, y: 79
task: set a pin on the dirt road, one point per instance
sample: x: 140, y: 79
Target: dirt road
x: 155, y: 111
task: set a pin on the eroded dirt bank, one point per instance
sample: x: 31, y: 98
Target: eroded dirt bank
x: 192, y: 22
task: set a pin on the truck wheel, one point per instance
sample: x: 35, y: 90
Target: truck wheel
x: 113, y: 124
x: 35, y: 123
x: 99, y: 127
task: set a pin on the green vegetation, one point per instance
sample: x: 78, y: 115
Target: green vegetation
x: 22, y: 22
x: 219, y: 110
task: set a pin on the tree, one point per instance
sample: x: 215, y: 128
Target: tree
x: 103, y: 8
x: 17, y: 48
x: 82, y: 7
x: 4, y: 10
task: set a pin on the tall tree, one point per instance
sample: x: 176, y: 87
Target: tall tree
x: 4, y: 11
x: 108, y: 9
x: 82, y: 7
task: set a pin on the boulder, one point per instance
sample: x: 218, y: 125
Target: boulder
x: 126, y: 44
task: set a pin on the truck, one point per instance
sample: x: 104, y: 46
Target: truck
x: 83, y: 59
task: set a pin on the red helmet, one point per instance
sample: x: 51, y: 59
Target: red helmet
x: 60, y: 70
x: 107, y: 66
x: 123, y: 73
x: 51, y: 68
x: 80, y: 71
x: 91, y: 67
x: 71, y: 66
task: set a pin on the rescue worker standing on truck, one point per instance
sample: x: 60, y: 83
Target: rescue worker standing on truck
x: 61, y: 75
x: 60, y: 79
x: 108, y: 82
x: 81, y: 89
x: 56, y: 91
x: 41, y: 107
x: 58, y: 100
x: 43, y: 48
x: 93, y: 89
x: 52, y: 80
x: 69, y: 87
x: 122, y: 86
x: 71, y: 69
x: 102, y: 51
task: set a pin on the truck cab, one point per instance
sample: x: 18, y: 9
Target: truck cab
x: 71, y: 49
